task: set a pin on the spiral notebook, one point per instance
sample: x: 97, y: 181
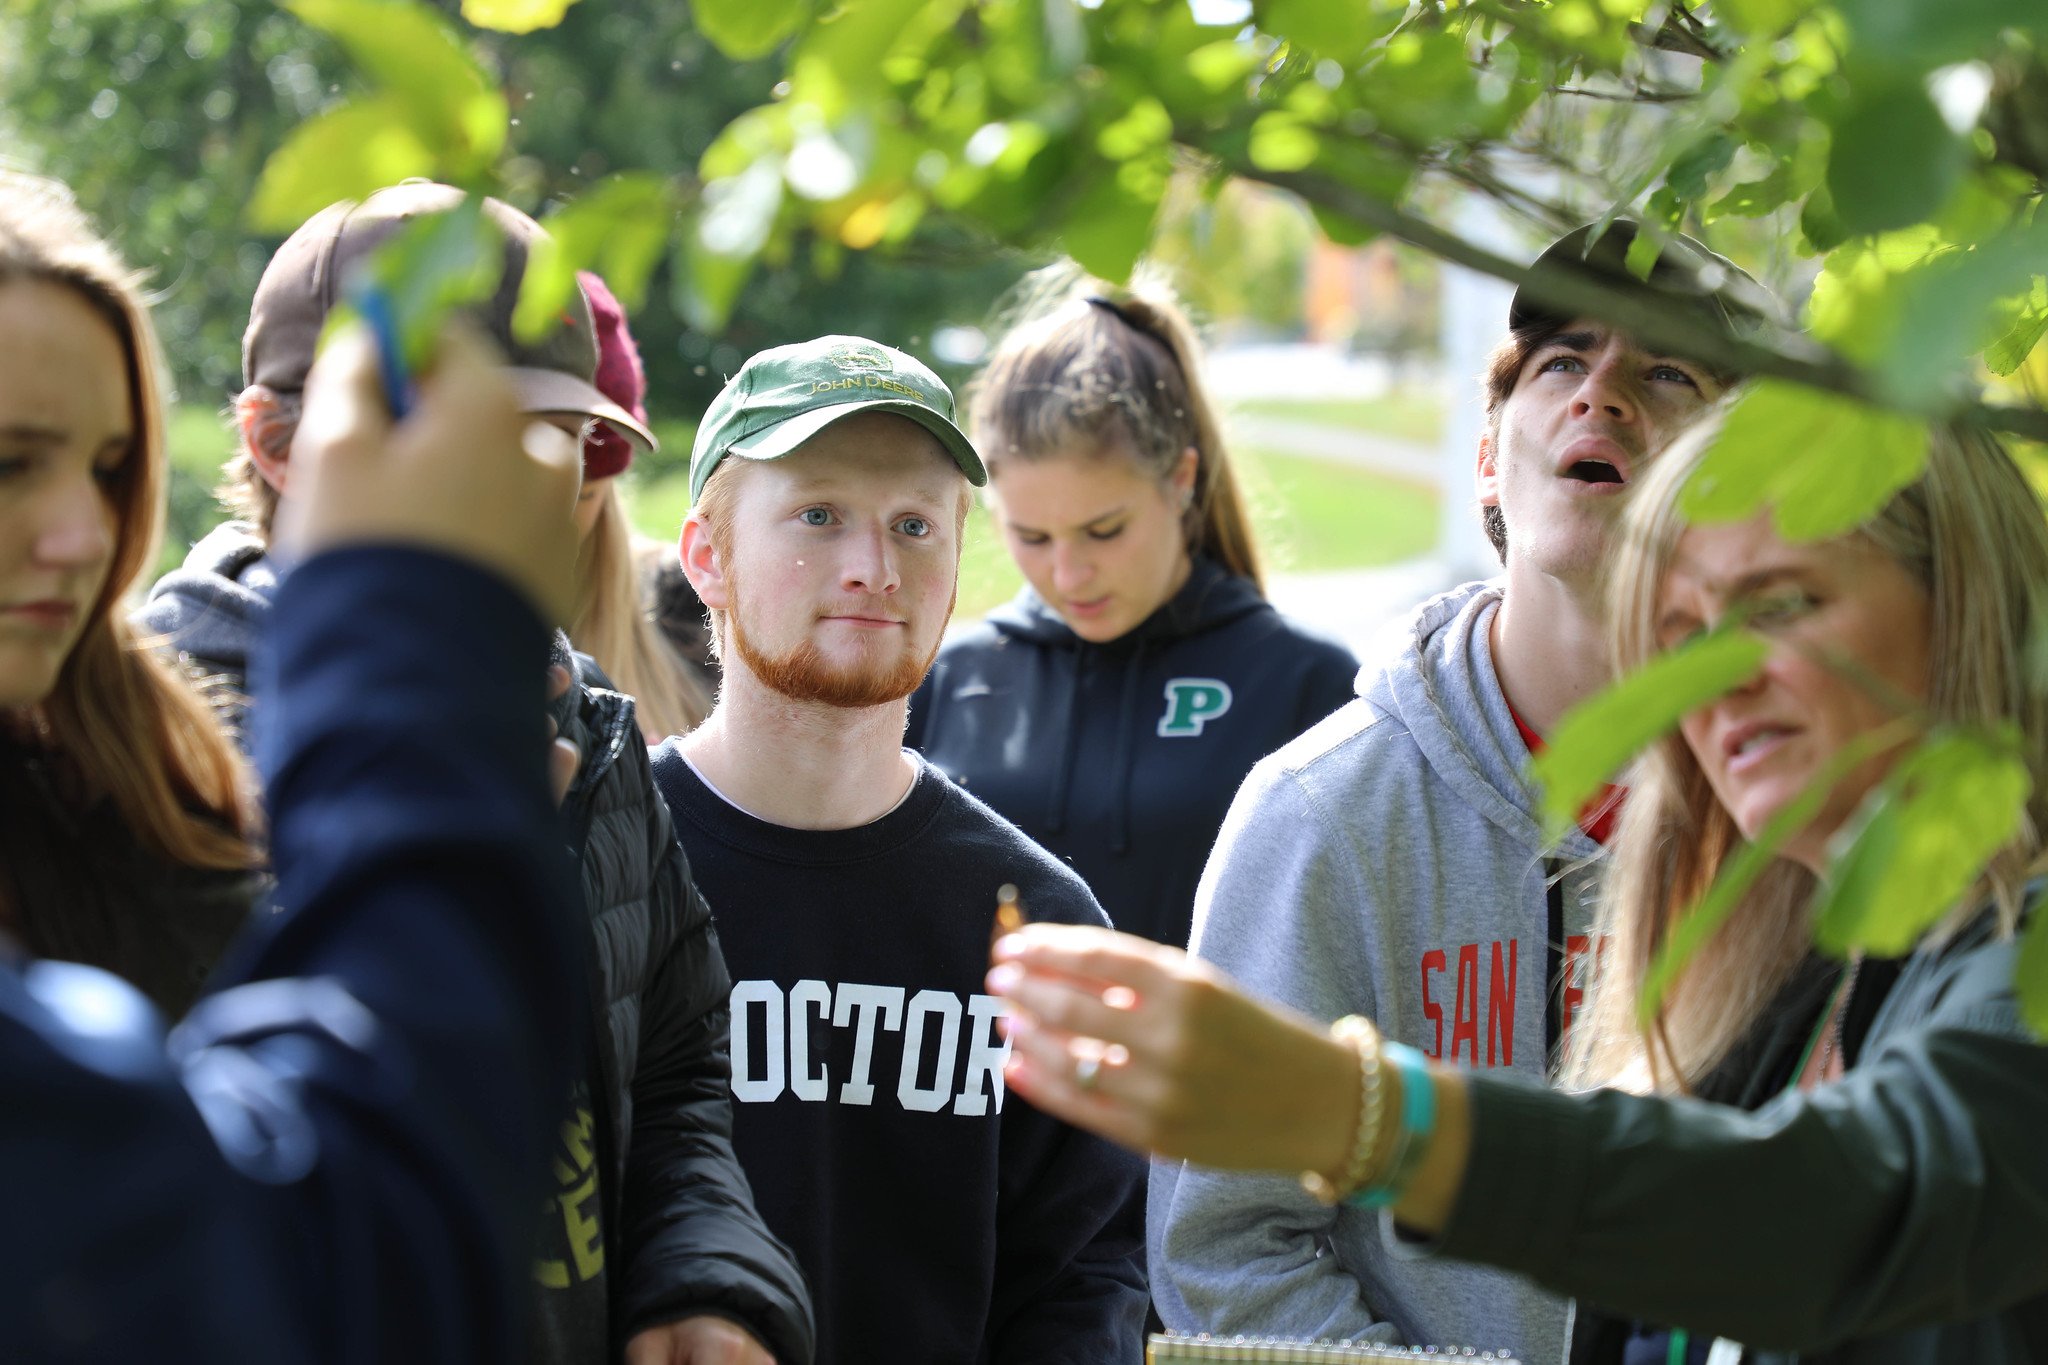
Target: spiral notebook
x: 1174, y: 1349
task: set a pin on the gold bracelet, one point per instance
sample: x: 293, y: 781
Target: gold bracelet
x: 1356, y: 1032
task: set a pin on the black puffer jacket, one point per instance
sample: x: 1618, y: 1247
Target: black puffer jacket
x: 686, y: 1230
x: 681, y: 1231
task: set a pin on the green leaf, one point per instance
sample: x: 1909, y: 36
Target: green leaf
x: 1697, y: 164
x: 1282, y: 142
x: 617, y: 228
x: 1643, y: 252
x: 1755, y: 198
x: 707, y: 284
x: 431, y: 267
x: 2028, y: 323
x: 515, y: 16
x: 1222, y: 65
x: 1929, y: 33
x: 1340, y: 229
x: 1918, y: 842
x: 2030, y: 974
x: 413, y: 54
x: 1108, y: 227
x: 1341, y: 32
x: 1144, y: 126
x: 745, y: 30
x: 1597, y: 738
x: 1823, y: 463
x: 348, y: 152
x: 1894, y: 161
x: 1762, y: 18
x: 1954, y: 307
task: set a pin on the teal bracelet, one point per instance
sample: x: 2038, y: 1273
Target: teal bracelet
x: 1418, y: 1122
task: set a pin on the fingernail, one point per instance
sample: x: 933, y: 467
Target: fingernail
x: 1014, y: 1026
x: 1009, y: 945
x: 1003, y: 978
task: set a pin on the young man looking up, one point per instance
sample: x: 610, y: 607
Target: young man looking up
x: 1391, y: 861
x: 648, y: 1238
x: 855, y: 889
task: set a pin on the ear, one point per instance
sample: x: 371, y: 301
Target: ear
x: 272, y: 467
x: 1184, y: 470
x: 1488, y: 473
x: 702, y: 564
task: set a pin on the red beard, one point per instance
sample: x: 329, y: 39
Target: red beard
x: 802, y: 674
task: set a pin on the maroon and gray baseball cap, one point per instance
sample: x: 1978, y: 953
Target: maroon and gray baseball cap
x: 554, y: 375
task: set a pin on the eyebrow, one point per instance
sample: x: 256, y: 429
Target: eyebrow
x: 1087, y: 525
x: 26, y: 434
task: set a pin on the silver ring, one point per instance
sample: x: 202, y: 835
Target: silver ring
x: 1087, y: 1070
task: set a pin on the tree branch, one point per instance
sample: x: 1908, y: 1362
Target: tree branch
x: 1638, y: 310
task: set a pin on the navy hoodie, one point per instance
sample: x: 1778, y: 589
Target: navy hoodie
x: 1122, y: 758
x: 338, y: 1157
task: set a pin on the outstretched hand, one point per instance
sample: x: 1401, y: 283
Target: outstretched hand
x: 1159, y: 1051
x: 466, y: 474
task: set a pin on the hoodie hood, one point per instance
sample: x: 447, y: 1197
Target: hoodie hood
x: 1442, y: 685
x: 214, y: 606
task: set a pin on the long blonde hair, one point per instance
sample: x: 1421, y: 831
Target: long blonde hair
x: 612, y: 625
x: 1972, y: 532
x: 121, y: 724
x: 1090, y: 365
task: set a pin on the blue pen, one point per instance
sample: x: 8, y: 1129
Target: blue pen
x: 374, y: 306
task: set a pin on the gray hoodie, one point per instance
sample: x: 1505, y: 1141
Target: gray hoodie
x: 1389, y: 862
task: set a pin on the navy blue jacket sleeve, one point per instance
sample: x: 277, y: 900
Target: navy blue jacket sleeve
x: 337, y: 1158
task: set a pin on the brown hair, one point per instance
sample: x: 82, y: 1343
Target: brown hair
x: 121, y: 723
x: 1091, y: 367
x: 612, y: 625
x: 1973, y: 533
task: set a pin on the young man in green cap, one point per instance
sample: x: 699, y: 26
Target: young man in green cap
x: 854, y: 888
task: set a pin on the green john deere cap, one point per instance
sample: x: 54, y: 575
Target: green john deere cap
x: 783, y: 397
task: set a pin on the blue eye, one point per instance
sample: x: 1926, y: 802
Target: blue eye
x: 816, y: 516
x: 1671, y: 373
x: 914, y: 526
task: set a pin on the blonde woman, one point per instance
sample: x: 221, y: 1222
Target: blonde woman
x: 1886, y: 1201
x: 125, y: 815
x: 612, y: 623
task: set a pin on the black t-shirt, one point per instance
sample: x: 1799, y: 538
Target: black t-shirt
x: 936, y: 1219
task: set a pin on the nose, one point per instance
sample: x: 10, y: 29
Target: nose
x: 1071, y: 568
x: 76, y: 528
x: 1606, y: 388
x: 870, y: 564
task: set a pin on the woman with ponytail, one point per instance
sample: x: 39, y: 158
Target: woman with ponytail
x: 1113, y: 708
x: 125, y: 817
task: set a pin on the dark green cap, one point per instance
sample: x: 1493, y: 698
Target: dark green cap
x: 783, y: 397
